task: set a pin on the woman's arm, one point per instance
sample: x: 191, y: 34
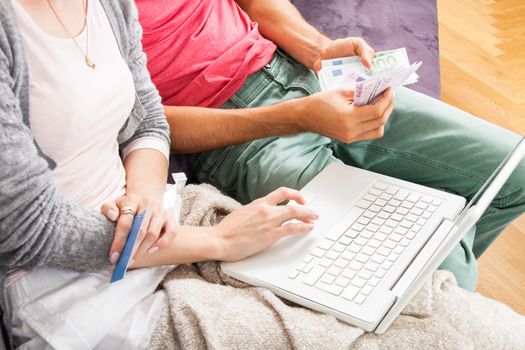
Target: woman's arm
x: 37, y: 226
x: 242, y: 233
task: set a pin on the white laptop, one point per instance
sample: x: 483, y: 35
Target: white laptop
x: 377, y: 241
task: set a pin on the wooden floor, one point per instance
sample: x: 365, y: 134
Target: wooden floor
x: 482, y: 54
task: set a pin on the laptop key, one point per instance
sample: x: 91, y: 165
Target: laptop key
x: 325, y: 244
x: 426, y: 215
x: 378, y: 259
x: 363, y: 221
x: 367, y: 234
x: 381, y: 186
x: 402, y: 211
x: 363, y: 204
x: 401, y: 195
x: 427, y: 199
x: 401, y: 230
x: 374, y: 281
x: 345, y: 240
x: 432, y: 208
x: 372, y: 227
x: 338, y: 247
x: 369, y: 214
x: 380, y: 202
x: 313, y: 276
x: 369, y: 197
x: 375, y: 192
x: 332, y: 289
x: 349, y: 273
x: 347, y: 255
x: 365, y: 274
x: 332, y: 255
x: 327, y: 278
x: 293, y: 275
x: 417, y: 211
x: 392, y: 190
x: 383, y: 215
x: 335, y: 271
x: 325, y: 262
x: 358, y: 282
x: 358, y: 227
x: 413, y: 197
x: 318, y: 252
x: 360, y: 299
x: 386, y: 230
x: 308, y: 258
x: 342, y: 263
x: 342, y: 281
x: 389, y: 209
x: 378, y: 221
x: 368, y: 251
x: 421, y: 205
x: 350, y: 293
x: 360, y: 241
x: 352, y: 233
x: 374, y: 243
x: 371, y: 266
x: 375, y: 208
x: 367, y: 290
x: 412, y: 217
x: 355, y: 265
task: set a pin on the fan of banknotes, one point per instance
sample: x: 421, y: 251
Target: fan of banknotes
x: 389, y: 68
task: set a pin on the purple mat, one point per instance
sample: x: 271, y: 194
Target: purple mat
x: 384, y: 24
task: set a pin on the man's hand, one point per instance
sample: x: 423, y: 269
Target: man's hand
x: 344, y: 48
x: 333, y: 114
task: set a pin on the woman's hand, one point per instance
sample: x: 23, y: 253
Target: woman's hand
x: 333, y: 114
x: 157, y: 220
x: 261, y: 223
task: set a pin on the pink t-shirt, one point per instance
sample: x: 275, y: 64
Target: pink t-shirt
x: 200, y: 52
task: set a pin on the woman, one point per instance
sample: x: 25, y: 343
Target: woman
x: 82, y: 128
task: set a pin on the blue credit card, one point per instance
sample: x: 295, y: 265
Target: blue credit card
x: 122, y: 264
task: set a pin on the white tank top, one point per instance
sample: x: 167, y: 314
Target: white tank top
x: 76, y: 120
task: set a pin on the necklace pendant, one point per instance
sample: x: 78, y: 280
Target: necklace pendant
x: 90, y: 63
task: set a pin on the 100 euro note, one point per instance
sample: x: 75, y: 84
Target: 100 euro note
x: 347, y: 71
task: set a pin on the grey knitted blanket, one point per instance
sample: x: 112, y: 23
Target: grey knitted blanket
x: 209, y: 310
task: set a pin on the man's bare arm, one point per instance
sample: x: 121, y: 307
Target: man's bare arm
x: 282, y: 23
x: 196, y: 129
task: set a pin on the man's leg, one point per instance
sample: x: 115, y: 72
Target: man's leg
x: 431, y: 143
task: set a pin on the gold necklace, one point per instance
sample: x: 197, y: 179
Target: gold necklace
x: 88, y: 60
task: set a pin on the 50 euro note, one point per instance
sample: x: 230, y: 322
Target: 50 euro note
x: 347, y: 71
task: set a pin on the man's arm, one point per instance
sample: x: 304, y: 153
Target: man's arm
x: 280, y: 22
x: 197, y: 129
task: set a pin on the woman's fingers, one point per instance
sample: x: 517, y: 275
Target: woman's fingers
x: 283, y: 194
x: 124, y: 224
x: 152, y: 232
x: 110, y: 210
x: 294, y: 212
x: 292, y: 228
x: 167, y: 235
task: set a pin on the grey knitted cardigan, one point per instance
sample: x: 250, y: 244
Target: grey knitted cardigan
x: 38, y: 227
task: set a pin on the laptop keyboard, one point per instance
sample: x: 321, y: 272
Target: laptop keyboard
x: 364, y: 246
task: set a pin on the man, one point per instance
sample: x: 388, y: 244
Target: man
x: 253, y: 118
